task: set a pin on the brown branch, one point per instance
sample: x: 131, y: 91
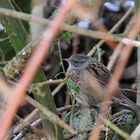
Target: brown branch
x: 65, y: 108
x: 116, y: 129
x: 119, y: 47
x: 100, y: 43
x: 58, y: 88
x: 33, y: 65
x: 51, y: 116
x: 66, y: 27
x: 28, y: 120
x: 25, y: 124
x: 51, y: 81
x: 112, y: 87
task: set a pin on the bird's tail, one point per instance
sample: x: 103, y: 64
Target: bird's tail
x: 131, y: 104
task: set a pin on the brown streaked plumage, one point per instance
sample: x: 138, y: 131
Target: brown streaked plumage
x: 92, y: 77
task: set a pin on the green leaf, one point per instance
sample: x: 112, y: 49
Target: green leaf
x: 67, y: 36
x: 73, y: 86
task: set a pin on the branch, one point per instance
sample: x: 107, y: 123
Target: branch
x: 33, y: 65
x: 51, y: 116
x: 66, y: 27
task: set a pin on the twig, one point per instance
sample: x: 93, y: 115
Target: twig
x: 4, y: 62
x: 67, y: 102
x: 51, y: 81
x: 100, y: 43
x: 65, y: 108
x: 79, y: 132
x: 66, y: 27
x: 136, y: 133
x: 51, y: 116
x: 24, y: 124
x: 116, y: 129
x: 32, y: 67
x: 118, y: 49
x: 58, y: 88
x: 112, y: 86
x: 28, y: 120
x: 6, y: 38
x: 60, y: 56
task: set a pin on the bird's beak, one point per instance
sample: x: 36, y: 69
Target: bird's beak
x: 66, y: 59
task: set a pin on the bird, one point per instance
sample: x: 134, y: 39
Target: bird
x: 92, y: 78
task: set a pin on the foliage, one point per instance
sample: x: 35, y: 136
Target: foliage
x: 16, y: 48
